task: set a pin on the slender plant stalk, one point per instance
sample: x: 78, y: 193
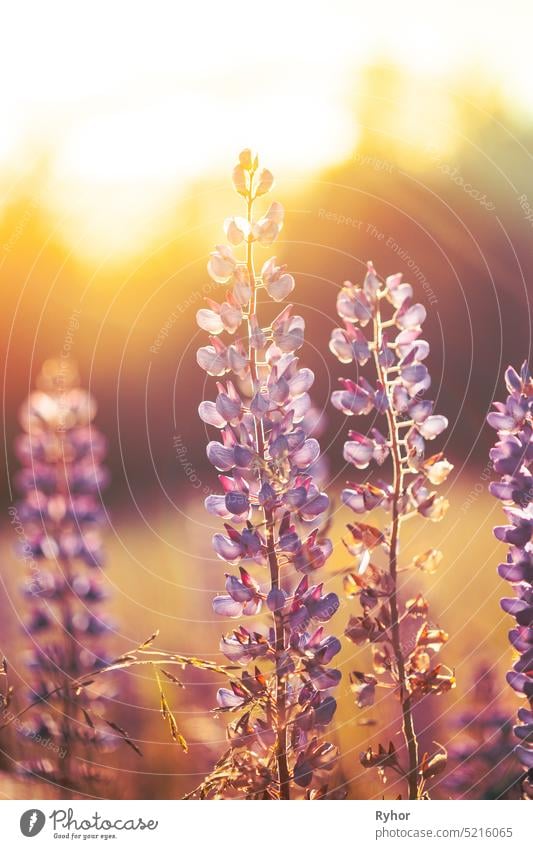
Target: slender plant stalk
x: 70, y: 671
x: 69, y: 675
x: 279, y: 630
x: 409, y: 732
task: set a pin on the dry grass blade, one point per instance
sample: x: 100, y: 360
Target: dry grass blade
x: 147, y: 643
x: 172, y: 678
x: 88, y: 719
x: 168, y: 716
x: 125, y: 736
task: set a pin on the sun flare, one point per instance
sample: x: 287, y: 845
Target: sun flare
x: 130, y: 129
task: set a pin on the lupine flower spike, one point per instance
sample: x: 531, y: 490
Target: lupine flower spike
x: 512, y: 458
x: 481, y: 761
x: 404, y: 642
x: 271, y: 505
x: 61, y: 455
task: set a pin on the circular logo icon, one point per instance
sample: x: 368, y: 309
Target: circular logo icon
x: 32, y: 822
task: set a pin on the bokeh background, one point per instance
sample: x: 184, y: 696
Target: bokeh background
x: 401, y: 133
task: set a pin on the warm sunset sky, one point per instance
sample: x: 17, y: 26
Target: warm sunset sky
x: 117, y: 107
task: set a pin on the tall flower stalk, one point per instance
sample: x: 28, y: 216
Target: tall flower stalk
x: 270, y: 504
x: 62, y: 473
x: 512, y: 458
x: 403, y: 640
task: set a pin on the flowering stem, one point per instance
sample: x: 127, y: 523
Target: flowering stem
x: 255, y: 358
x: 409, y: 733
x: 279, y: 639
x: 69, y: 659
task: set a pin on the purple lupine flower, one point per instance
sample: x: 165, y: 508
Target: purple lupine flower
x: 481, y: 753
x: 404, y: 644
x: 61, y: 454
x: 267, y: 456
x: 512, y: 458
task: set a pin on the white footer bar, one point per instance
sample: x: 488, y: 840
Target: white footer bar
x: 360, y: 824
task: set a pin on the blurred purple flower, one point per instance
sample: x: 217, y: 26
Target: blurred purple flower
x: 60, y: 510
x: 481, y: 755
x: 512, y: 457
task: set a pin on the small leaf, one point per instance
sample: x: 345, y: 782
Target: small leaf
x: 428, y: 562
x: 433, y: 765
x: 125, y: 736
x: 88, y: 719
x: 120, y: 661
x: 81, y: 684
x: 176, y: 736
x: 150, y: 640
x: 368, y: 535
x: 172, y: 678
x: 168, y: 716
